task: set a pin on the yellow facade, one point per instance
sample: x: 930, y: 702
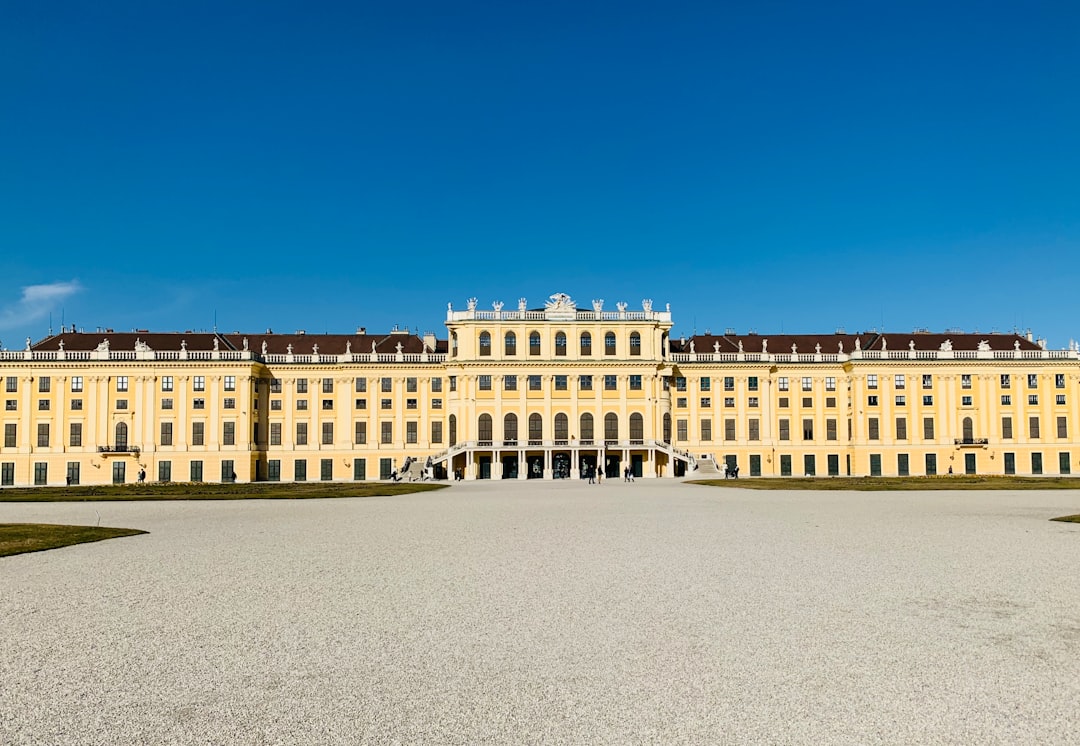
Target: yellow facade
x: 532, y: 393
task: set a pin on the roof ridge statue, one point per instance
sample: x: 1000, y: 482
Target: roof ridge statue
x: 560, y: 302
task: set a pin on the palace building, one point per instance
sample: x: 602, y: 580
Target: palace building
x: 544, y: 393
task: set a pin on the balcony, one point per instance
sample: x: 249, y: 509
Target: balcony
x: 121, y: 450
x: 971, y: 442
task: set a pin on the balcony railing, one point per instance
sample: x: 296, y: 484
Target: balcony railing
x: 971, y: 441
x: 121, y: 450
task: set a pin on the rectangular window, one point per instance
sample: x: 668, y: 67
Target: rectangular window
x: 166, y: 383
x: 410, y: 385
x: 436, y: 403
x: 1006, y: 381
x: 436, y: 432
x: 931, y: 464
x: 899, y: 381
x: 359, y: 469
x: 121, y: 383
x: 561, y: 382
x: 753, y: 428
x: 834, y: 465
x: 534, y: 383
x: 275, y: 405
x: 611, y: 383
x: 198, y: 433
x: 1033, y: 427
x: 1033, y: 399
x: 830, y: 402
x: 198, y: 403
x: 872, y: 400
x: 328, y: 433
x: 275, y: 433
x: 121, y: 403
x: 807, y: 383
x: 807, y: 402
x: 44, y: 384
x: 680, y: 383
x: 230, y: 383
x: 1036, y: 463
x: 1060, y: 399
x: 1062, y: 428
x: 901, y: 428
x: 808, y: 429
x: 326, y: 469
x: 1064, y: 466
x: 164, y: 471
x: 901, y: 400
x: 273, y: 470
x: 41, y: 473
x: 872, y: 432
x: 782, y: 383
x: 783, y: 402
x: 706, y: 430
x: 785, y: 465
x: 510, y: 383
x: 706, y: 402
x: 386, y: 468
x: 1059, y: 380
x: 301, y: 385
x: 682, y: 428
x: 809, y: 465
x: 902, y: 468
x: 830, y: 383
x: 387, y: 384
x: 705, y: 383
x: 198, y: 383
x: 928, y: 400
x: 359, y: 385
x: 830, y: 429
x: 871, y: 381
x: 729, y: 383
x: 965, y: 380
x: 275, y: 385
x: 387, y: 432
x: 1006, y: 428
x: 196, y: 471
x: 11, y: 384
x: 875, y: 464
x: 43, y: 405
x: 300, y: 470
x: 76, y: 384
x: 1006, y: 400
x: 228, y: 403
x: 966, y: 401
x: 43, y: 435
x: 436, y: 385
x: 752, y: 383
x: 484, y: 382
x: 411, y: 404
x: 1033, y: 381
x: 7, y: 474
x: 328, y: 385
x: 785, y: 429
x: 166, y: 434
x: 635, y: 383
x: 927, y: 381
x: 75, y: 435
x: 360, y: 433
x: 10, y: 433
x: 752, y: 401
x: 453, y: 382
x: 360, y: 403
x: 729, y: 428
x: 386, y: 404
x: 228, y: 471
x: 301, y: 433
x: 411, y: 432
x: 681, y: 402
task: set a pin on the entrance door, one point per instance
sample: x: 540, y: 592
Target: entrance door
x: 510, y: 467
x: 637, y: 465
x: 731, y: 462
x: 586, y: 465
x: 484, y: 462
x: 969, y: 463
x: 613, y: 467
x: 536, y: 466
x: 560, y: 464
x: 680, y: 468
x: 118, y: 472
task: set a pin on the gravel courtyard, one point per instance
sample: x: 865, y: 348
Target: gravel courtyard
x: 654, y: 612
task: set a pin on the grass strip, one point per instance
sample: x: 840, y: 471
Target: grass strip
x: 19, y: 538
x: 884, y: 484
x: 1068, y: 519
x: 199, y: 491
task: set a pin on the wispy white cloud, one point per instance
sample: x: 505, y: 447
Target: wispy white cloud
x: 36, y: 302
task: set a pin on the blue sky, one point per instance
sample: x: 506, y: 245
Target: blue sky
x: 772, y: 166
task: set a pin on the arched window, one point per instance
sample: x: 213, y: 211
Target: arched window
x: 635, y: 343
x: 453, y: 430
x: 510, y: 428
x: 667, y: 428
x: 586, y: 427
x: 121, y: 436
x: 560, y: 345
x: 586, y: 343
x: 637, y: 427
x: 485, y: 344
x: 511, y: 344
x: 483, y: 430
x: 609, y: 343
x: 534, y: 343
x: 969, y: 430
x: 611, y: 426
x: 562, y: 427
x: 536, y: 427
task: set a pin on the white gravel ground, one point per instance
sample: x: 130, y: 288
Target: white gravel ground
x: 656, y: 612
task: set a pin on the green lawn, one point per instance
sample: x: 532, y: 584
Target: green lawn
x: 877, y: 484
x: 205, y: 491
x: 18, y: 538
x: 1068, y: 519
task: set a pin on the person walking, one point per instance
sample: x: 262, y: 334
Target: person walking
x: 599, y: 474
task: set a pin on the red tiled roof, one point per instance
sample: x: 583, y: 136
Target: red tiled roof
x: 82, y: 341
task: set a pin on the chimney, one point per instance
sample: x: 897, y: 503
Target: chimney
x: 429, y: 341
x: 1028, y: 335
